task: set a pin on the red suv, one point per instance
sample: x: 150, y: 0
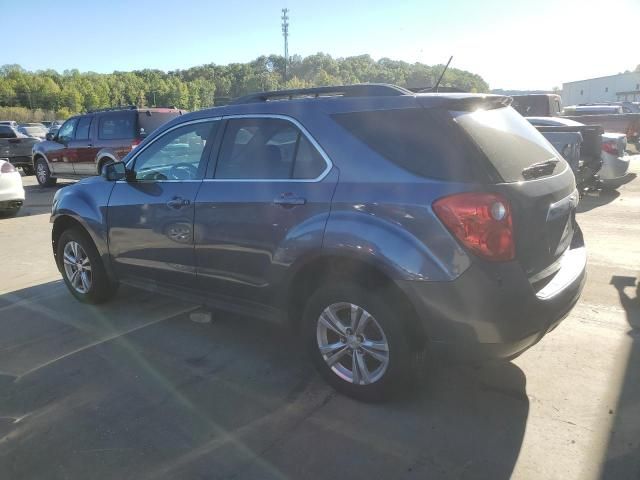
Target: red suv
x: 84, y: 143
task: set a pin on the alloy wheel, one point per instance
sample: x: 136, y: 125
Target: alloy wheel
x: 41, y: 172
x: 352, y: 343
x: 77, y: 267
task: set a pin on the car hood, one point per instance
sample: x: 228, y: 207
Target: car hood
x: 90, y: 180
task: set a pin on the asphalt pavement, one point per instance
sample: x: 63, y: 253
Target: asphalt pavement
x: 136, y: 389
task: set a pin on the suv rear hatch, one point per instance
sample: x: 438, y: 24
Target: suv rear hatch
x: 150, y: 119
x: 535, y: 179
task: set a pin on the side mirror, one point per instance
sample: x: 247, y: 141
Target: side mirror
x: 114, y: 171
x: 49, y: 136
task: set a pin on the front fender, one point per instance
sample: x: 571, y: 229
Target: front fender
x: 37, y: 150
x: 86, y: 202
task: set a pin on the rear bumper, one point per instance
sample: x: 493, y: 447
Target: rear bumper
x: 11, y: 191
x: 493, y: 311
x: 613, y: 168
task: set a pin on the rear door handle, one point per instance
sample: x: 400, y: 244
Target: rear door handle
x: 178, y: 202
x: 289, y: 201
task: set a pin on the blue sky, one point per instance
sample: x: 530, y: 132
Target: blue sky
x: 512, y: 44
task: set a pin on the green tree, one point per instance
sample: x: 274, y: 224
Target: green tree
x: 46, y: 91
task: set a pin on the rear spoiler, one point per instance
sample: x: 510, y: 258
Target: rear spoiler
x: 463, y: 102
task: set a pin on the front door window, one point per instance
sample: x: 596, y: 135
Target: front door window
x: 178, y: 155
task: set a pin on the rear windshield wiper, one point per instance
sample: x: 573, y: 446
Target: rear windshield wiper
x: 540, y: 169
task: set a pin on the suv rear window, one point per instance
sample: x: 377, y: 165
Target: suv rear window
x: 117, y: 126
x: 509, y: 141
x: 149, y: 120
x: 422, y: 141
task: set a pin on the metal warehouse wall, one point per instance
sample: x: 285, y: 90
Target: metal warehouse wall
x: 625, y: 86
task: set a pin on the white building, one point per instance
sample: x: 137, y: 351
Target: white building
x: 624, y: 86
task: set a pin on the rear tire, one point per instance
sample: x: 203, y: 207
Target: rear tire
x: 365, y: 354
x: 28, y: 170
x: 43, y: 174
x: 82, y: 268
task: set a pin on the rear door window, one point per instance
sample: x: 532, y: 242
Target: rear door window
x: 267, y: 148
x: 82, y: 131
x: 508, y: 141
x: 117, y: 126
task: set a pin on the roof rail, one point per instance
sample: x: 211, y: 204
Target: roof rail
x: 113, y: 109
x: 128, y: 107
x: 357, y: 90
x: 440, y: 90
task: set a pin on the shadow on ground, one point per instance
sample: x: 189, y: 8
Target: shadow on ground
x: 602, y: 197
x: 623, y: 453
x: 597, y: 199
x: 135, y: 389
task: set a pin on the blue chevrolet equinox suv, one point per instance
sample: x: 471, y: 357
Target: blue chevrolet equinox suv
x: 382, y: 224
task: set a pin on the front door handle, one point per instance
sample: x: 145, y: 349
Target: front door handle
x: 178, y: 202
x: 289, y: 200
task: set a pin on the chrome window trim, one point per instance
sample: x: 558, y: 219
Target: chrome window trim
x: 304, y: 131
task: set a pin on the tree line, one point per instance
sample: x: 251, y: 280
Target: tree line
x: 63, y: 94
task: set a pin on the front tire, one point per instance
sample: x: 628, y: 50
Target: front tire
x: 357, y: 341
x: 82, y: 268
x: 43, y: 174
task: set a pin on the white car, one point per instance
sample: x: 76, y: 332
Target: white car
x: 615, y: 161
x: 11, y: 189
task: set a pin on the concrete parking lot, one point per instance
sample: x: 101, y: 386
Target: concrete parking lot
x: 137, y: 389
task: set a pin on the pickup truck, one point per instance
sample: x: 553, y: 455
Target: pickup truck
x: 16, y: 148
x: 580, y: 145
x: 550, y: 105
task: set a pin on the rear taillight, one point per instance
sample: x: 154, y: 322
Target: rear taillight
x: 610, y: 148
x: 135, y: 143
x: 481, y: 221
x: 7, y: 168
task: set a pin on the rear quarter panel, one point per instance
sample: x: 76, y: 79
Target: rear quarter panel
x: 394, y: 227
